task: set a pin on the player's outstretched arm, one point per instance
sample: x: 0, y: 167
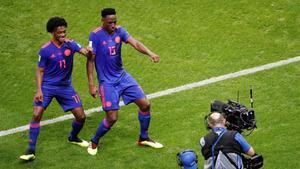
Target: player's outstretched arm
x: 139, y: 46
x: 90, y: 75
x: 39, y: 78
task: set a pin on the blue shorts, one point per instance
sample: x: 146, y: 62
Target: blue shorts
x: 65, y: 96
x: 127, y: 87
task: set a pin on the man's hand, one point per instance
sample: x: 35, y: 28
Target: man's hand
x: 38, y: 97
x: 88, y: 51
x: 154, y: 58
x: 93, y: 90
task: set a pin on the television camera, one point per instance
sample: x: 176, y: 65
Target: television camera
x: 239, y: 118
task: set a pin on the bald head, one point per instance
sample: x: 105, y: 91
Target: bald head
x: 216, y: 119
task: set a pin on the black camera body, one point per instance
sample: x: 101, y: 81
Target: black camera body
x: 254, y: 162
x: 238, y: 116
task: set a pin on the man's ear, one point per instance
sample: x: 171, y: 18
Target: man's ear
x: 224, y: 121
x: 210, y: 126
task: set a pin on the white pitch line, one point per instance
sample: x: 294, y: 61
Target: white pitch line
x: 166, y: 92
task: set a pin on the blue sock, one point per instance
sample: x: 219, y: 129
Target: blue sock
x: 144, y: 118
x: 103, y: 128
x: 34, y: 130
x: 76, y: 127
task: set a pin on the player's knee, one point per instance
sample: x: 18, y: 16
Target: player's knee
x: 79, y: 114
x: 145, y: 107
x: 37, y: 114
x: 81, y: 118
x: 36, y: 117
x: 112, y: 119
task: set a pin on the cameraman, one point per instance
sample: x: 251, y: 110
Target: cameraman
x: 222, y: 148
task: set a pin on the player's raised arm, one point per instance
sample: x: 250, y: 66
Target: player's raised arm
x: 139, y: 46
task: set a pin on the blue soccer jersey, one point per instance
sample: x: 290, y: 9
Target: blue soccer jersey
x: 57, y: 62
x: 107, y: 48
x: 113, y: 80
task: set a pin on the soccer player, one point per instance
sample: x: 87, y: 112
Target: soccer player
x: 53, y: 80
x: 105, y: 42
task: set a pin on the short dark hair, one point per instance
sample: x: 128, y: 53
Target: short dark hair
x: 108, y: 11
x: 55, y: 22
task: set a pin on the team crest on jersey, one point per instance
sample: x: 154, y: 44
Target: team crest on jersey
x: 118, y: 39
x: 67, y: 52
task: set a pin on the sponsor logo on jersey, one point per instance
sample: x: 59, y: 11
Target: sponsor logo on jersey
x: 52, y: 56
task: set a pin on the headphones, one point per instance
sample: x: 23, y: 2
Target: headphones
x: 187, y: 152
